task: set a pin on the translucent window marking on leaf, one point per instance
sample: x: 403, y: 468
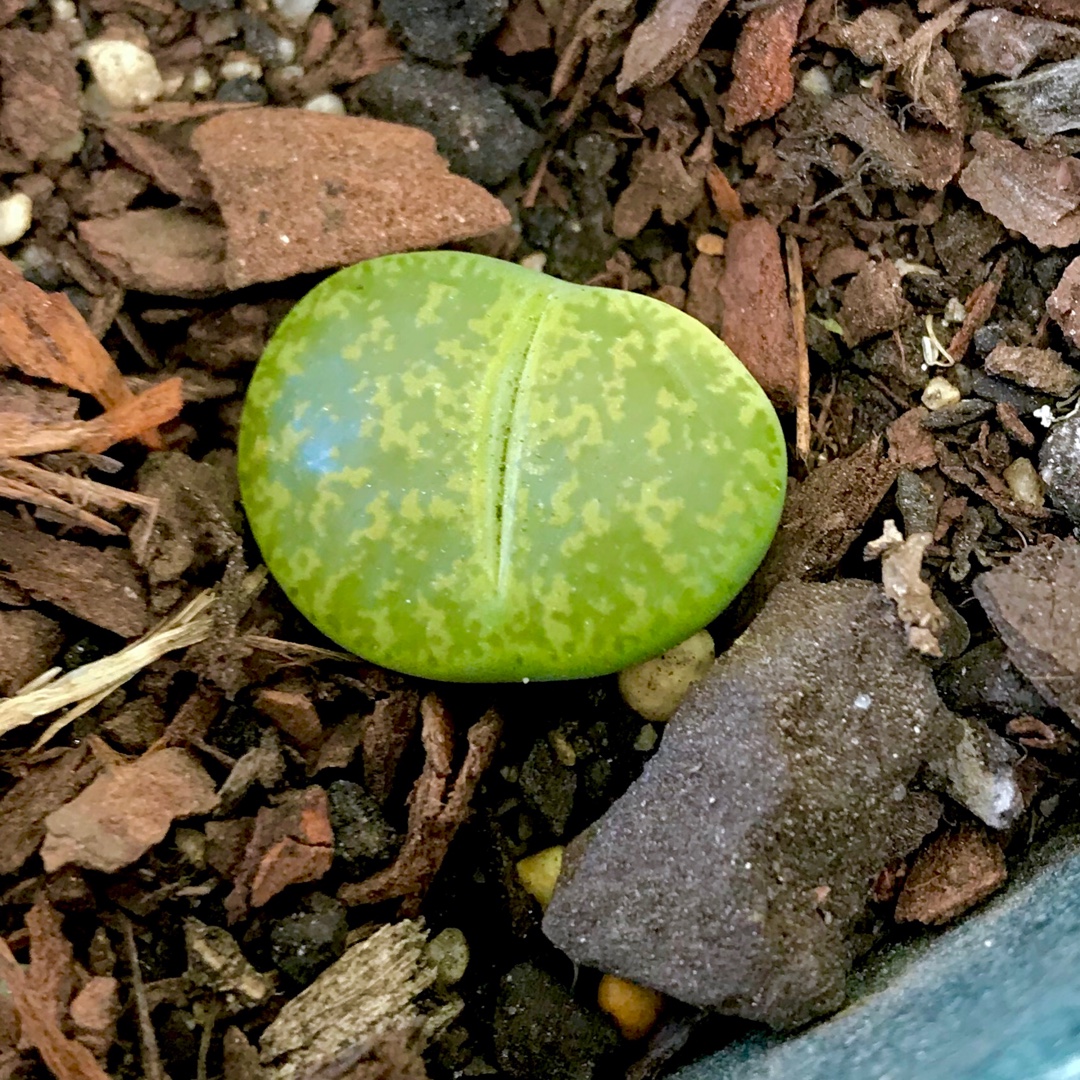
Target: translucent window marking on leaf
x: 466, y: 470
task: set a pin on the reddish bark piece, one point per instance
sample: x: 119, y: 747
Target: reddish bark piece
x: 1002, y: 43
x: 52, y: 960
x: 44, y: 336
x: 669, y: 37
x: 1063, y: 304
x: 96, y: 1006
x: 910, y: 444
x: 908, y: 157
x: 526, y: 29
x: 1039, y: 369
x: 126, y: 811
x: 41, y: 109
x: 102, y: 587
x: 44, y: 789
x: 951, y: 874
x: 873, y: 303
x: 387, y: 732
x: 704, y: 299
x: 1035, y: 192
x: 67, y: 1059
x: 762, y: 82
x: 302, y: 191
x: 292, y: 843
x: 226, y: 842
x: 825, y: 514
x: 294, y: 715
x: 28, y: 643
x: 757, y: 323
x: 173, y: 251
x: 137, y: 417
x: 979, y: 305
x: 173, y: 169
x: 437, y: 808
x: 659, y: 180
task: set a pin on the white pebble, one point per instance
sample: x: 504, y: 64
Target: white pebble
x: 817, y: 82
x: 295, y: 12
x: 939, y: 392
x: 63, y: 10
x: 290, y: 73
x: 286, y: 50
x: 326, y: 103
x: 240, y: 66
x: 16, y: 214
x: 201, y: 80
x: 125, y: 75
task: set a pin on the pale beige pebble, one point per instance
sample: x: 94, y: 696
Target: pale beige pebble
x: 710, y: 244
x: 939, y: 393
x: 239, y: 65
x: 1025, y: 484
x: 16, y: 217
x: 326, y: 103
x: 200, y: 80
x: 125, y: 75
x: 654, y: 688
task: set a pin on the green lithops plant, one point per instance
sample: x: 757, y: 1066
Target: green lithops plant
x: 465, y: 470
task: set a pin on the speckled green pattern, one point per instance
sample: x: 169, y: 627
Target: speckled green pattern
x: 465, y: 470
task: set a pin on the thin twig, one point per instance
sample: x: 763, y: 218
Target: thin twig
x: 797, y: 300
x: 151, y: 1057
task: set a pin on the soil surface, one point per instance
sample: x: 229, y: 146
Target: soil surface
x: 205, y: 806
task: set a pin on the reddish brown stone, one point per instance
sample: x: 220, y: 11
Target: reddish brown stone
x: 292, y: 843
x: 757, y: 323
x: 294, y: 714
x: 302, y: 191
x: 126, y: 811
x: 873, y: 303
x: 40, y: 109
x: 1035, y: 192
x: 762, y: 82
x: 951, y: 874
x: 1063, y: 304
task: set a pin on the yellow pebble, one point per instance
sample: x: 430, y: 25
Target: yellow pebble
x: 539, y: 872
x: 634, y: 1008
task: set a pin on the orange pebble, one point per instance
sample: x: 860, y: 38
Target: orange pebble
x: 634, y: 1008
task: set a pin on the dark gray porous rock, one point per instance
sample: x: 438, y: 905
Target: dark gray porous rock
x: 735, y: 872
x: 442, y: 31
x: 541, y: 1031
x: 474, y: 126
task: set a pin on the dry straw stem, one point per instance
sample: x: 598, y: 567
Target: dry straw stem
x: 90, y: 684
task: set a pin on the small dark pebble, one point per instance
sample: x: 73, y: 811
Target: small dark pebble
x: 473, y: 125
x: 984, y: 678
x: 260, y: 38
x: 916, y: 502
x: 541, y: 1031
x: 198, y: 6
x: 361, y: 834
x: 243, y: 89
x: 987, y: 338
x: 304, y: 943
x: 1001, y: 390
x: 436, y: 30
x: 549, y: 786
x: 953, y: 416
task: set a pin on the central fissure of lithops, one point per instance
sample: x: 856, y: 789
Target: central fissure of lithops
x: 508, y: 431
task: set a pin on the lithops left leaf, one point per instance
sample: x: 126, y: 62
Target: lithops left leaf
x: 465, y: 470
